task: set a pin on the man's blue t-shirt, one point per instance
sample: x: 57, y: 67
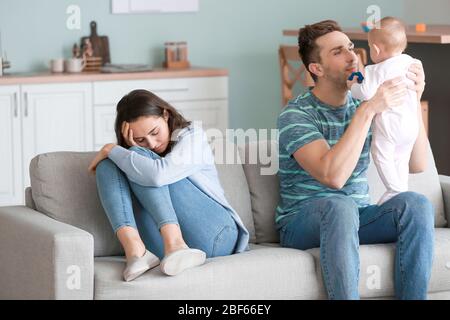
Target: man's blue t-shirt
x: 302, y: 121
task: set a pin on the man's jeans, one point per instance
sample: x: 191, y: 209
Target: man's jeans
x: 338, y: 226
x: 204, y: 223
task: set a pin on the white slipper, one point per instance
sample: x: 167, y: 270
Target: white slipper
x: 180, y: 260
x: 138, y: 265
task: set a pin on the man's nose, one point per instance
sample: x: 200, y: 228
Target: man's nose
x: 352, y: 57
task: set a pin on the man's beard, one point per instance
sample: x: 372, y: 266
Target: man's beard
x: 339, y: 80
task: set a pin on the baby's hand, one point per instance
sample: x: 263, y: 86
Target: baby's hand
x: 351, y: 82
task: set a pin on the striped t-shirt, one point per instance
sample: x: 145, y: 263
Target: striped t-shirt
x: 302, y: 121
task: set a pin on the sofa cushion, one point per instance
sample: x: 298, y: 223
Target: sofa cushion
x: 378, y: 260
x: 63, y: 189
x: 264, y: 189
x: 426, y: 183
x: 258, y: 161
x: 261, y: 273
x: 234, y: 182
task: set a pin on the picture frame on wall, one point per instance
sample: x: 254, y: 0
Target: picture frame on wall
x: 153, y: 6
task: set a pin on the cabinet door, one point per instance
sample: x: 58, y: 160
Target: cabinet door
x: 104, y: 118
x: 211, y: 114
x: 55, y: 117
x: 11, y: 187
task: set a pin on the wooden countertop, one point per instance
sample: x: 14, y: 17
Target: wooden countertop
x: 437, y: 34
x: 157, y: 73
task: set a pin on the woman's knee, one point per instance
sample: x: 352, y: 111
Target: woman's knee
x: 105, y: 166
x: 105, y: 170
x: 145, y: 152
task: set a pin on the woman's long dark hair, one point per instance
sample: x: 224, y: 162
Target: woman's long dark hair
x: 143, y: 103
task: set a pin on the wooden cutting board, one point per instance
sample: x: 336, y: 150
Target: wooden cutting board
x: 100, y: 44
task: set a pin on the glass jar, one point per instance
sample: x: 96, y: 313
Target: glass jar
x: 171, y: 51
x: 182, y: 51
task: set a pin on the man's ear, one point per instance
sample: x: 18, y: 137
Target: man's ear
x: 316, y: 68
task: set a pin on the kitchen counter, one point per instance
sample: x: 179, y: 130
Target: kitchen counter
x: 157, y: 73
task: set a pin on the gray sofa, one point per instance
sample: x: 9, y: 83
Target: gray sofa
x: 61, y: 245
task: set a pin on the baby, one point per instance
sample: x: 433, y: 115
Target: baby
x: 395, y: 130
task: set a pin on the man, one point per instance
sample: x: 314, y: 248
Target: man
x: 324, y: 145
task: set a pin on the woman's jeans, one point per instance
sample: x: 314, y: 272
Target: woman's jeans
x: 204, y: 223
x: 338, y: 226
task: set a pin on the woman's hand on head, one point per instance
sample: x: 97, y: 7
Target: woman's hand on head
x: 127, y: 134
x: 101, y: 155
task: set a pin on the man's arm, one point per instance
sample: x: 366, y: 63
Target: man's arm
x: 333, y: 166
x: 418, y: 160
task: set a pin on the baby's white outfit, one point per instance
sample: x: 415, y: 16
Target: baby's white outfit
x: 395, y: 130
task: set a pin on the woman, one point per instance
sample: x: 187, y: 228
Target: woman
x: 163, y: 165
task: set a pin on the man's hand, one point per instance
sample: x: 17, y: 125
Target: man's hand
x: 101, y: 155
x: 127, y: 134
x: 417, y: 75
x: 391, y: 93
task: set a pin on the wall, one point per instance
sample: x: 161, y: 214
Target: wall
x: 242, y: 36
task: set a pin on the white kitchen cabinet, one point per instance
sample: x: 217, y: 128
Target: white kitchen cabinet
x: 104, y: 118
x: 55, y: 117
x: 203, y: 99
x: 11, y: 191
x: 211, y: 113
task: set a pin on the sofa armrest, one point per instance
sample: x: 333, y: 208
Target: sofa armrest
x: 42, y: 258
x: 445, y: 185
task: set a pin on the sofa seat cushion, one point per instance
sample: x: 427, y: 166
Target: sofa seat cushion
x: 261, y: 273
x: 378, y: 259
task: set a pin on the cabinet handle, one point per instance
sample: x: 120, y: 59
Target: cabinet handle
x: 26, y: 104
x: 16, y: 106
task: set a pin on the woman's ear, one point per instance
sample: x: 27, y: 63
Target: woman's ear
x: 316, y: 69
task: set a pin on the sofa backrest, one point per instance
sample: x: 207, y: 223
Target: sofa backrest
x: 264, y: 189
x: 62, y: 188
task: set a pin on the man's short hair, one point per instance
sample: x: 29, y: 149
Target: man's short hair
x: 307, y: 47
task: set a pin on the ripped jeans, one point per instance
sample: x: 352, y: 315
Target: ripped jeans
x: 204, y: 223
